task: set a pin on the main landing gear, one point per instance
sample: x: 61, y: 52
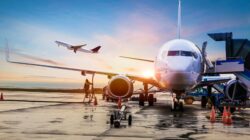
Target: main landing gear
x: 177, y: 105
x: 146, y: 96
x: 141, y: 99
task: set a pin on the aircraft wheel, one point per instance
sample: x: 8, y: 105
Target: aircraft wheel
x: 150, y: 99
x: 177, y: 106
x: 111, y: 119
x: 141, y: 99
x: 181, y: 106
x: 107, y: 99
x: 130, y: 120
x: 117, y: 124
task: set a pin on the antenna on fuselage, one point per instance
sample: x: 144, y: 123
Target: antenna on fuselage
x: 179, y: 20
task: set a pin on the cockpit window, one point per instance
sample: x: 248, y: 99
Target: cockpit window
x: 173, y: 53
x: 182, y: 53
x: 186, y: 53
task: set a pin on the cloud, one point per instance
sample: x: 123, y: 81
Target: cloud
x: 142, y: 29
x: 39, y: 59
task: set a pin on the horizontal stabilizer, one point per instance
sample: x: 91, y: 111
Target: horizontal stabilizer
x: 96, y: 49
x: 59, y: 43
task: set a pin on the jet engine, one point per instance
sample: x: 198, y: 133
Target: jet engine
x: 120, y: 86
x: 235, y: 90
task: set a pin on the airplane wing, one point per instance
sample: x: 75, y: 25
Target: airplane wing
x: 59, y: 43
x: 87, y: 71
x: 140, y: 59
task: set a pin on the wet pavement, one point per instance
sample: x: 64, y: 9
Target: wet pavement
x: 64, y: 116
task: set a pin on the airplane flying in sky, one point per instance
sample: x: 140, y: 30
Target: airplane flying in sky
x: 76, y: 48
x: 179, y: 67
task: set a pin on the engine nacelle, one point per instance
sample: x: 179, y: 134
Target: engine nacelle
x: 120, y: 86
x: 237, y: 87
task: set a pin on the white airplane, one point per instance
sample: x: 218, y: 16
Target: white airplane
x: 76, y: 48
x: 179, y: 68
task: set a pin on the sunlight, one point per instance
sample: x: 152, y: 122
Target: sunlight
x: 148, y: 73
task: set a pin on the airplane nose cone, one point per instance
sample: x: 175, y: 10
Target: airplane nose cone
x: 180, y: 65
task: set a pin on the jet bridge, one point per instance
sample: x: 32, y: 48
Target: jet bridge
x: 235, y: 48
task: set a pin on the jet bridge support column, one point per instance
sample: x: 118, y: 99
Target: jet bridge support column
x: 209, y: 94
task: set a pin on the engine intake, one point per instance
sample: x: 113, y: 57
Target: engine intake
x: 237, y: 87
x: 120, y: 87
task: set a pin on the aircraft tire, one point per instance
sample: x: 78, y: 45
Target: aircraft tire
x: 111, y: 119
x: 141, y: 99
x: 150, y: 99
x: 130, y: 120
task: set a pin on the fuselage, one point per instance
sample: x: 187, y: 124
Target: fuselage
x: 179, y: 65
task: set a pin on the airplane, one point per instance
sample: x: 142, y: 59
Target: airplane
x: 76, y: 48
x: 179, y: 67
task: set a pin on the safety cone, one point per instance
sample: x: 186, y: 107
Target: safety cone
x: 1, y: 97
x: 229, y: 117
x: 95, y: 101
x: 212, y: 115
x: 224, y: 116
x: 119, y: 103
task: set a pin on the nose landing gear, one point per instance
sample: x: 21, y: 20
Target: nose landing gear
x: 177, y: 105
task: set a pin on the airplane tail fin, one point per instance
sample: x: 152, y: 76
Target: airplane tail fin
x: 96, y: 49
x: 179, y: 20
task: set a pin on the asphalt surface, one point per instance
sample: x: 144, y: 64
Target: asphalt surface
x: 30, y: 115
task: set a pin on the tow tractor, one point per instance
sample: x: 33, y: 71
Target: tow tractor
x: 118, y: 115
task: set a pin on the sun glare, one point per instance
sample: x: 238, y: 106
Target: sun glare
x: 148, y: 73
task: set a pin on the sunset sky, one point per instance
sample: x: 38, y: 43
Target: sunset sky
x: 136, y: 28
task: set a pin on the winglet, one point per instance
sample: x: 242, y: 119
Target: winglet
x: 7, y: 51
x: 96, y: 49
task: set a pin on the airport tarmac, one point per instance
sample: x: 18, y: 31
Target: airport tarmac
x: 64, y: 116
